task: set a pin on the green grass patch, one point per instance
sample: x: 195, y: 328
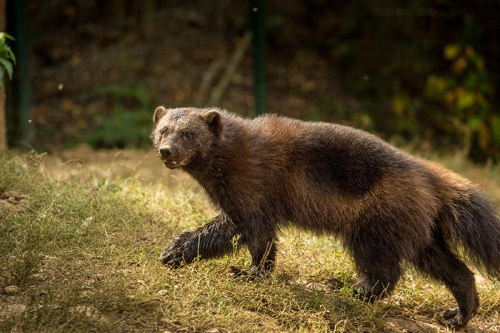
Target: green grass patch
x: 84, y: 256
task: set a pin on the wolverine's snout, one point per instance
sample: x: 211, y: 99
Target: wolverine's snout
x: 165, y: 152
x: 170, y: 157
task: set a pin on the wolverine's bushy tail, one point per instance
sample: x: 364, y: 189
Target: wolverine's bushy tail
x: 473, y: 224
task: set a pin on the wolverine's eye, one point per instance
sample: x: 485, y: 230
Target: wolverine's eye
x: 187, y: 135
x: 163, y: 130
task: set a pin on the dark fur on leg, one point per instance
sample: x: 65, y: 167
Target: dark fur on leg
x: 371, y: 289
x: 212, y: 240
x: 378, y: 264
x: 375, y: 282
x: 263, y: 258
x: 438, y: 262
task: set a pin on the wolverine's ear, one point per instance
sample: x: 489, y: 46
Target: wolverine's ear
x: 213, y: 120
x: 159, y: 112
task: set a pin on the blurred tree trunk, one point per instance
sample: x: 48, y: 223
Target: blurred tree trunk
x: 258, y: 19
x: 231, y: 67
x: 3, y: 123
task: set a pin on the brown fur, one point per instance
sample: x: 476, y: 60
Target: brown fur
x: 386, y: 206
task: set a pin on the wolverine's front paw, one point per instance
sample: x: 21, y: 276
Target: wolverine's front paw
x: 178, y: 252
x: 172, y: 258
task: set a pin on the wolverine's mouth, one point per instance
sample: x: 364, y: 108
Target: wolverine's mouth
x: 172, y: 164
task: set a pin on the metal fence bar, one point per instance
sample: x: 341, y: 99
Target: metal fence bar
x: 22, y: 126
x: 259, y: 55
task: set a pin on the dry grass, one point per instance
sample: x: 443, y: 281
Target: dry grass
x: 83, y: 253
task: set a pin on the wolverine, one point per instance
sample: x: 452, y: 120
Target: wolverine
x: 385, y: 206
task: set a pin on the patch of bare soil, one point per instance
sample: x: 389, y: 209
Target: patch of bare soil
x: 12, y: 202
x: 11, y: 310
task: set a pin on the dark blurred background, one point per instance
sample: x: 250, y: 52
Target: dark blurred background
x: 417, y: 71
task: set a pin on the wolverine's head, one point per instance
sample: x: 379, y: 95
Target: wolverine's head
x: 180, y: 135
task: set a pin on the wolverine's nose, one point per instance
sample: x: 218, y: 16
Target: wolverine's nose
x: 165, y: 152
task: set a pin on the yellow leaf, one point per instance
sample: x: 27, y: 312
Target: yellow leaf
x: 449, y: 99
x: 459, y: 65
x: 451, y: 51
x: 469, y: 51
x: 465, y: 101
x: 398, y: 105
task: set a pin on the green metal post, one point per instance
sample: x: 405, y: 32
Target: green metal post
x: 22, y: 126
x: 258, y: 15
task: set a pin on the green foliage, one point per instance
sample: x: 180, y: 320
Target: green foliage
x: 422, y: 71
x: 7, y: 58
x: 130, y: 123
x: 464, y: 94
x: 406, y: 110
x: 453, y: 109
x: 123, y: 129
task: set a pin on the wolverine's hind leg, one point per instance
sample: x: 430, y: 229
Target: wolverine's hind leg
x: 378, y: 272
x: 440, y: 263
x: 375, y: 283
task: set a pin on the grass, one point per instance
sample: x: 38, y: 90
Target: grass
x: 84, y: 256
